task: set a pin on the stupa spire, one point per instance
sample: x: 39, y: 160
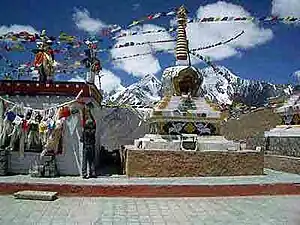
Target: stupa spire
x: 182, y: 44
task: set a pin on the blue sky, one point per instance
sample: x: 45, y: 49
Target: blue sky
x: 265, y: 52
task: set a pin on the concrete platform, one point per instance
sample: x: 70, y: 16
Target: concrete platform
x: 36, y: 195
x: 273, y: 183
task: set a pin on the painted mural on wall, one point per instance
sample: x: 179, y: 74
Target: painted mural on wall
x: 177, y: 128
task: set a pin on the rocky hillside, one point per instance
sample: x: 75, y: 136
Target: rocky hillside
x: 120, y: 127
x: 250, y: 125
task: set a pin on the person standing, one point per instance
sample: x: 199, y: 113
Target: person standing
x: 88, y: 152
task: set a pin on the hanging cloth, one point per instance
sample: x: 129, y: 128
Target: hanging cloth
x: 23, y: 137
x: 54, y: 140
x: 33, y: 139
x: 15, y: 136
x: 6, y: 130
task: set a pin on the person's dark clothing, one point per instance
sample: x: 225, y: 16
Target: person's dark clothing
x: 88, y: 154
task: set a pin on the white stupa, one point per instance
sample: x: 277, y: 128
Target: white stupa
x: 183, y: 119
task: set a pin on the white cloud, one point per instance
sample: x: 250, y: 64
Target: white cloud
x: 17, y: 28
x: 173, y: 22
x: 142, y: 65
x: 84, y: 22
x: 146, y: 64
x: 286, y: 8
x: 199, y: 35
x: 297, y: 75
x: 202, y: 34
x: 77, y: 79
x: 109, y: 81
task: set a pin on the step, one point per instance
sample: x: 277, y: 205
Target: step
x: 36, y: 195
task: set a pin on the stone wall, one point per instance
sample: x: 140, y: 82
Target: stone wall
x: 287, y: 146
x: 21, y: 165
x: 283, y: 163
x: 158, y: 163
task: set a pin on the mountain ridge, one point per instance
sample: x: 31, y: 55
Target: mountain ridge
x: 222, y: 88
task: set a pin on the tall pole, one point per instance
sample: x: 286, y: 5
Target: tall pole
x: 182, y: 44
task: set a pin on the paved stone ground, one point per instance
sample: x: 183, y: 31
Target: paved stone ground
x: 270, y: 177
x: 280, y: 210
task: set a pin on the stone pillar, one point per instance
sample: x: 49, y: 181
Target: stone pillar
x: 181, y: 45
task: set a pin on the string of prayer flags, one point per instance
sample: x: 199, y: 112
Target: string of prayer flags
x: 23, y: 35
x: 219, y: 43
x: 152, y: 17
x: 63, y: 37
x: 129, y: 44
x: 245, y: 19
x: 272, y: 18
x: 133, y: 33
x: 207, y: 60
x: 46, y: 109
x: 140, y: 54
x: 110, y: 30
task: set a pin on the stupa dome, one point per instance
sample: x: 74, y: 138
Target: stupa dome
x: 182, y: 80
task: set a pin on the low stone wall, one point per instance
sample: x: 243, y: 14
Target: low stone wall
x: 287, y: 146
x: 21, y: 165
x: 163, y: 163
x: 283, y: 163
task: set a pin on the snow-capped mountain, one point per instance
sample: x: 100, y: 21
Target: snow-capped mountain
x: 222, y: 87
x: 143, y: 93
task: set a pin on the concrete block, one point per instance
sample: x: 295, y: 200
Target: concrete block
x: 36, y: 195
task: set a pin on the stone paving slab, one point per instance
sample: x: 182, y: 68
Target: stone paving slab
x: 263, y: 210
x: 270, y: 177
x: 36, y: 195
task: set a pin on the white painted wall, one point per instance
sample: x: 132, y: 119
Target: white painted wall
x: 69, y: 162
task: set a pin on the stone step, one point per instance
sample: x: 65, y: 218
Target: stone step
x: 36, y: 195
